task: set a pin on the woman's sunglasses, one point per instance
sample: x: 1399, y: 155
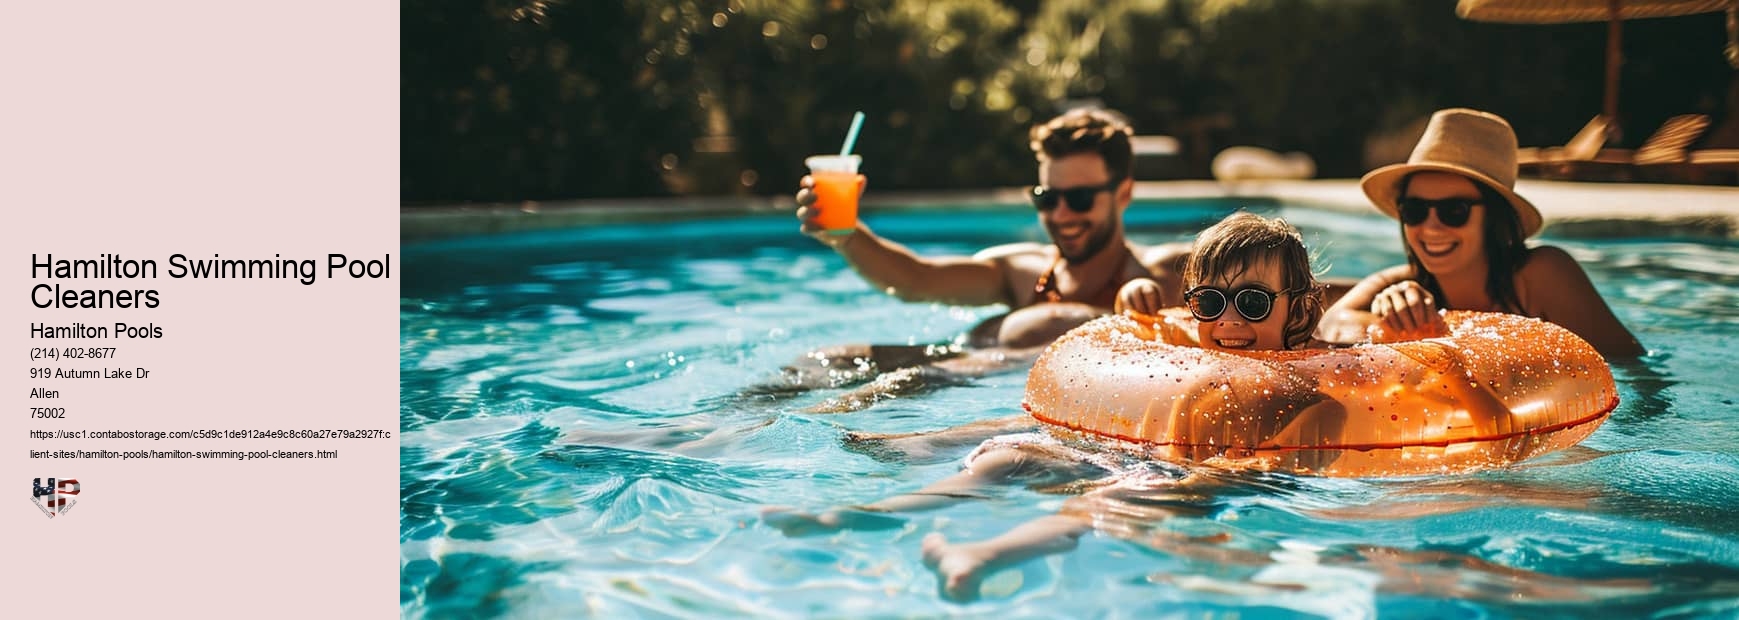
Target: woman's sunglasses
x: 1079, y: 199
x: 1207, y: 303
x: 1453, y: 212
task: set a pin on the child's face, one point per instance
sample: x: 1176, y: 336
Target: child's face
x: 1232, y: 329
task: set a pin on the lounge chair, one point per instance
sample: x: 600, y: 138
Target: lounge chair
x: 1584, y: 145
x: 1663, y: 151
x: 1707, y: 166
x: 1715, y: 160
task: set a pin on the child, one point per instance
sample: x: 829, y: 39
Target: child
x: 1250, y: 288
x: 1243, y: 271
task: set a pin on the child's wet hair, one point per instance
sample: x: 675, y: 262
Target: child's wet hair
x: 1244, y: 240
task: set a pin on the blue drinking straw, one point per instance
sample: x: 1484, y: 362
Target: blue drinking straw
x: 851, y: 136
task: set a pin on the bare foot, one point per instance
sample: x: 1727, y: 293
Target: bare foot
x: 794, y: 522
x: 957, y: 567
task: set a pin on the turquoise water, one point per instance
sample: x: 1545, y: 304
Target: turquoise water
x: 632, y: 341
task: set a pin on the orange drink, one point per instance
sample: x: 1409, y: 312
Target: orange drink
x: 837, y: 186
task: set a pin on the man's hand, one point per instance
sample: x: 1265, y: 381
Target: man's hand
x: 808, y: 212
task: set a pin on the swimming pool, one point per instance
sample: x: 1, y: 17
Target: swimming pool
x: 633, y: 340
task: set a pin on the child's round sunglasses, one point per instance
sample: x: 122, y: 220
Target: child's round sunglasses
x: 1253, y: 302
x: 1079, y: 199
x: 1453, y: 212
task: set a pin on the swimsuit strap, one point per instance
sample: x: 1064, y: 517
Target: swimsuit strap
x: 1046, y: 287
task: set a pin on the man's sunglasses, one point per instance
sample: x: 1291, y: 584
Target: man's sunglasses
x: 1453, y: 212
x: 1207, y: 303
x: 1079, y: 199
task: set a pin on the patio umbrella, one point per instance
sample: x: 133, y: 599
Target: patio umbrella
x: 1610, y: 11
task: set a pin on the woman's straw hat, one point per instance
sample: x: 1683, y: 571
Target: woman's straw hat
x: 1474, y: 144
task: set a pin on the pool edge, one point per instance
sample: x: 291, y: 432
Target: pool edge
x: 1586, y: 210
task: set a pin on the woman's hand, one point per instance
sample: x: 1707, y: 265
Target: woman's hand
x: 1140, y: 295
x: 1407, y: 308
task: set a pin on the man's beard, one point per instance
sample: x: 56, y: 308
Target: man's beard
x: 1097, y: 240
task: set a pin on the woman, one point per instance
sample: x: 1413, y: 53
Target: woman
x: 1464, y: 227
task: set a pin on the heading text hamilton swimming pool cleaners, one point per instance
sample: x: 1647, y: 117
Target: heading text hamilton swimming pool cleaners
x: 113, y: 266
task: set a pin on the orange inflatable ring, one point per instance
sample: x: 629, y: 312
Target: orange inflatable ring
x: 1498, y: 389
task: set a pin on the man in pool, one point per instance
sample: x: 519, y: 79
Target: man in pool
x: 1085, y: 166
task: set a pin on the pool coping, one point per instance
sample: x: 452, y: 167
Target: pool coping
x: 1589, y: 210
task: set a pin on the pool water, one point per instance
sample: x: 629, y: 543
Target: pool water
x: 575, y: 445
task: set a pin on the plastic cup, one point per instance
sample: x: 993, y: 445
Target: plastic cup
x: 837, y: 186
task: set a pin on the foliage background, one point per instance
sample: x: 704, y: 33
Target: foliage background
x: 506, y: 100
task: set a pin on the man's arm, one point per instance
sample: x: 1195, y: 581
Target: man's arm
x: 894, y: 268
x: 949, y: 279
